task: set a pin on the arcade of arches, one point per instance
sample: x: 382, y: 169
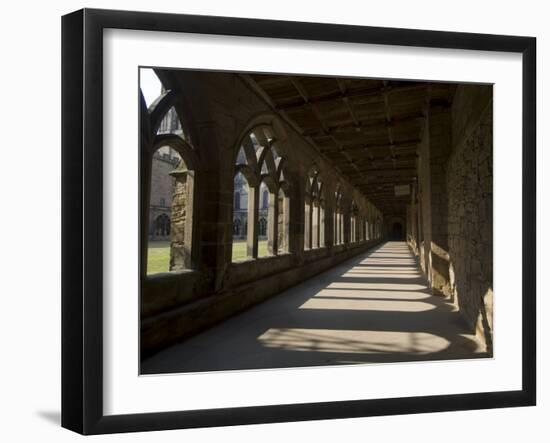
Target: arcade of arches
x: 334, y: 220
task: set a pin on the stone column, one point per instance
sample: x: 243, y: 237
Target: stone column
x: 272, y: 224
x: 322, y: 225
x: 315, y: 224
x: 253, y: 216
x: 434, y: 153
x: 424, y: 197
x: 335, y: 227
x: 307, y: 223
x: 283, y: 222
x: 440, y: 150
x: 180, y: 251
x: 338, y: 217
x: 414, y: 220
x: 145, y: 196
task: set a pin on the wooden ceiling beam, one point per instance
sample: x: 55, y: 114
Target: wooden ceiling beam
x: 342, y: 87
x: 358, y: 127
x: 376, y: 172
x: 387, y: 182
x: 251, y: 83
x: 361, y: 146
x: 265, y: 80
x: 398, y: 157
x: 303, y: 93
x: 301, y: 90
x: 388, y: 120
x: 351, y: 95
x: 256, y: 88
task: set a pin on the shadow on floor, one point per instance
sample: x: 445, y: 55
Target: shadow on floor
x: 345, y: 315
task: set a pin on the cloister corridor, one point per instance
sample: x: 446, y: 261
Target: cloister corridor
x: 373, y: 308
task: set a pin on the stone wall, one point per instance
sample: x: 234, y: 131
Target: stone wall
x: 440, y: 149
x: 450, y: 225
x: 470, y: 208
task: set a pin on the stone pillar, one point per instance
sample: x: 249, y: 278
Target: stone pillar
x: 425, y: 200
x: 315, y: 225
x: 322, y: 225
x: 335, y: 227
x: 434, y: 154
x: 419, y: 228
x: 283, y: 222
x: 440, y: 150
x: 144, y: 202
x: 179, y: 250
x: 307, y: 223
x: 272, y: 224
x: 253, y: 217
x: 414, y: 219
x: 340, y: 218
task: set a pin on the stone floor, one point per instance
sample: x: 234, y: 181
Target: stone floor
x: 371, y: 309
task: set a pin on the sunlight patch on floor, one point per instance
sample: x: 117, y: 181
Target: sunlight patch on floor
x: 376, y: 275
x: 368, y: 294
x: 346, y: 341
x: 377, y: 286
x: 367, y: 305
x: 393, y: 262
x: 387, y: 270
x: 386, y: 255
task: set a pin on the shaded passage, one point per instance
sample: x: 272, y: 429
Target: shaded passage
x: 374, y: 308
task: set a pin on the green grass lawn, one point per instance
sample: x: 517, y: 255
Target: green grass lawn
x: 158, y: 254
x: 158, y: 257
x: 239, y: 249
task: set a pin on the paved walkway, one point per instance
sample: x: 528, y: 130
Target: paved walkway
x: 372, y: 308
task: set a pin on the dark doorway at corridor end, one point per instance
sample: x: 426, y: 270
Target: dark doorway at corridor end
x: 396, y: 232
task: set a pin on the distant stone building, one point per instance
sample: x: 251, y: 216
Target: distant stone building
x: 240, y: 209
x: 165, y: 161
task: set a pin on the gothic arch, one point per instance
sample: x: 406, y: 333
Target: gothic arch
x: 314, y: 209
x: 182, y: 175
x: 257, y: 155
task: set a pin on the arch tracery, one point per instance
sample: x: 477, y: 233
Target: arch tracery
x: 314, y: 207
x: 259, y: 161
x: 169, y: 160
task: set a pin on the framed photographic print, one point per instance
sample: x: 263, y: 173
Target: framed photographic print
x: 269, y: 221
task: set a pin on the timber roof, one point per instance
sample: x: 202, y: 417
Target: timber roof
x: 368, y: 129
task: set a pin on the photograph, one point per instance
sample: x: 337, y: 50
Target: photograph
x: 291, y: 220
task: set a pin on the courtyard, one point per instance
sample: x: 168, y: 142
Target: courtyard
x: 158, y: 254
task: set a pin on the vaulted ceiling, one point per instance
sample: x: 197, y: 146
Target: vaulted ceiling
x: 368, y: 129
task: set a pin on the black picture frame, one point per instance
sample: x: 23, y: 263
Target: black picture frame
x: 82, y: 155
